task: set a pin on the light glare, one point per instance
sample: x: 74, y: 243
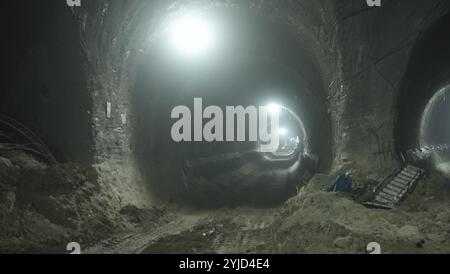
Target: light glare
x: 282, y: 132
x: 191, y: 34
x: 274, y: 108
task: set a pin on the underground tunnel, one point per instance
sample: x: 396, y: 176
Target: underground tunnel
x: 242, y: 73
x: 221, y: 127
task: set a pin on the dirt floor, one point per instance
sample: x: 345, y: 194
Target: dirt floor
x: 42, y: 208
x: 314, y: 221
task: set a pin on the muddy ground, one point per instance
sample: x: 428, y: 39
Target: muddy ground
x: 42, y: 208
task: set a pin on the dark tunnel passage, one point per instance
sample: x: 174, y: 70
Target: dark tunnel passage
x: 43, y: 90
x: 259, y: 65
x: 423, y: 109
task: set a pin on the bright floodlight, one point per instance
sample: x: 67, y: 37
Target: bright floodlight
x: 191, y: 34
x: 282, y: 132
x: 274, y: 108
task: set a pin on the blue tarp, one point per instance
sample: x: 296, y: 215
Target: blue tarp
x: 343, y: 183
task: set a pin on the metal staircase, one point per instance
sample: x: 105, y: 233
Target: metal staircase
x: 395, y: 188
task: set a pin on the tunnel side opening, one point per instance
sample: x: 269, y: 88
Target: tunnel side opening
x: 422, y: 119
x: 44, y: 99
x: 278, y: 69
x: 434, y: 134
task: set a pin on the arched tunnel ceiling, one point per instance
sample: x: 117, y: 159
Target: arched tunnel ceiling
x: 130, y: 25
x: 260, y: 63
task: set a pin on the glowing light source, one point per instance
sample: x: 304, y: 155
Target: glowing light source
x: 282, y: 131
x: 191, y: 34
x: 274, y: 108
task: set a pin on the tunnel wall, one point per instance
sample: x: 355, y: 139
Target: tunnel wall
x: 107, y: 30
